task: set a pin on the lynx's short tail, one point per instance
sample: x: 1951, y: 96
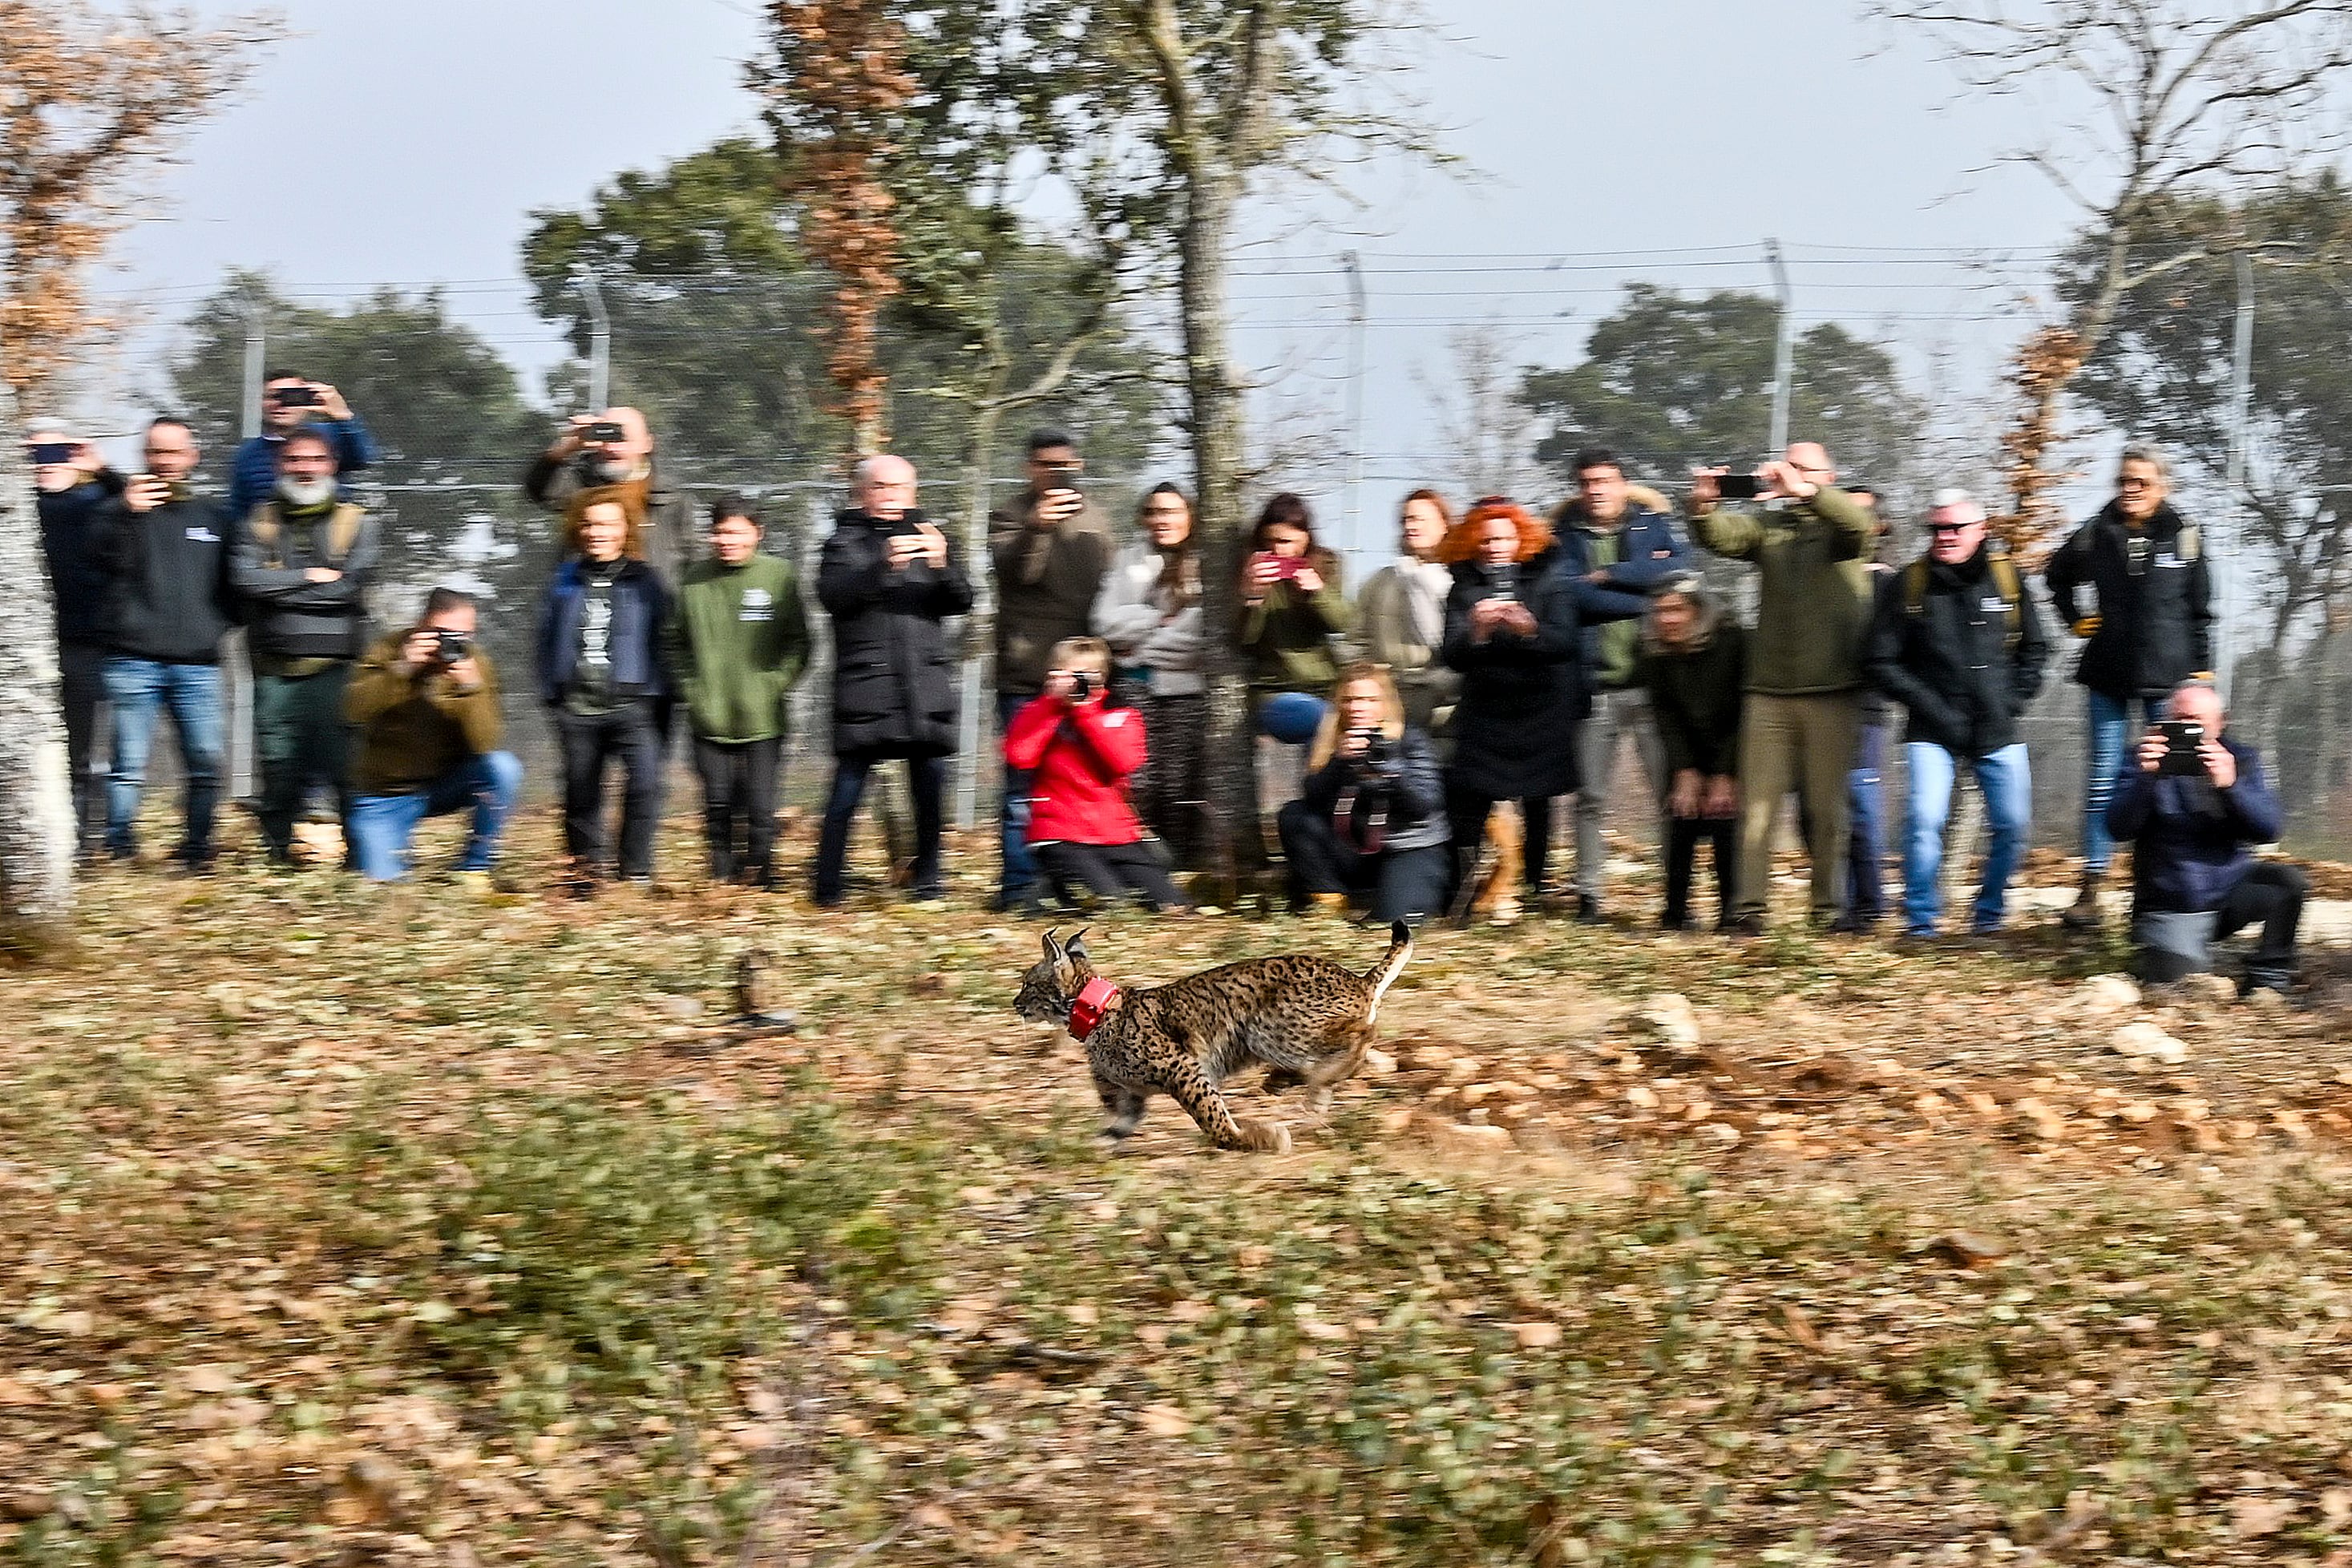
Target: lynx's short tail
x: 1382, y: 975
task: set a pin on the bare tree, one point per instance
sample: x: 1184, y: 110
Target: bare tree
x: 1488, y: 430
x: 91, y: 103
x: 2181, y: 96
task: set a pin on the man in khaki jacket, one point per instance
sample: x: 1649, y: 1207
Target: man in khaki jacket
x: 1049, y: 549
x: 1804, y: 661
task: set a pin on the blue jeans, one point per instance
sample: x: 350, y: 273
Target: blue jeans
x: 135, y: 688
x: 384, y: 825
x: 2110, y: 726
x: 2008, y: 785
x: 1867, y: 831
x: 1020, y: 878
x: 1294, y: 718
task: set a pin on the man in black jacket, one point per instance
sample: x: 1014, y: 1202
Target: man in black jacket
x: 300, y: 564
x: 1957, y: 641
x: 167, y: 552
x: 888, y: 579
x: 73, y: 486
x: 2150, y: 629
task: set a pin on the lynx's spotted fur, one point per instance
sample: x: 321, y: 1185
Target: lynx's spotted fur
x: 1307, y: 1019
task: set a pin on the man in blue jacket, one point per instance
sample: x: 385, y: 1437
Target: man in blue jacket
x: 288, y: 403
x: 2194, y: 876
x: 1619, y: 546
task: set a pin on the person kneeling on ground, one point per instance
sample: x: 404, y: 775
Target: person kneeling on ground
x: 1079, y: 751
x: 426, y: 704
x: 1371, y: 818
x: 1693, y: 664
x: 2193, y: 806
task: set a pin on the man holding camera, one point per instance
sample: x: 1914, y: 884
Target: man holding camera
x: 1957, y: 641
x: 1805, y: 659
x: 301, y: 564
x: 1049, y: 549
x: 289, y: 404
x: 426, y: 704
x: 615, y: 449
x: 2193, y: 806
x: 168, y: 606
x: 72, y: 489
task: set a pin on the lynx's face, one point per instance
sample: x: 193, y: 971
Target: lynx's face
x: 1053, y: 982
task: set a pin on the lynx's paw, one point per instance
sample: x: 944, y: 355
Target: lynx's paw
x: 1267, y: 1137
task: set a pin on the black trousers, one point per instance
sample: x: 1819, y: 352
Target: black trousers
x: 1684, y: 836
x: 926, y: 782
x: 2269, y: 895
x: 1468, y: 813
x: 739, y: 805
x: 1111, y: 872
x: 1171, y: 792
x: 591, y: 742
x: 1406, y: 884
x: 82, y: 688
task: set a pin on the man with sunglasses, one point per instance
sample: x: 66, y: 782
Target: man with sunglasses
x: 1955, y: 638
x: 2149, y: 628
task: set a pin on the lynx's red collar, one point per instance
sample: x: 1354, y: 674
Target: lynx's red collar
x: 1095, y: 998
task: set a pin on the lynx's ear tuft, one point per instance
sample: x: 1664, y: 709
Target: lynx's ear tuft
x: 1076, y: 946
x: 1053, y: 946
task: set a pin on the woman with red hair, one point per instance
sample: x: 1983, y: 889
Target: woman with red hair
x: 1512, y: 631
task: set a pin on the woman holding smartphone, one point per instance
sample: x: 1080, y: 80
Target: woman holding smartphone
x: 1293, y: 612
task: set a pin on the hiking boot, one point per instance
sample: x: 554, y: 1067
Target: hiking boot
x: 2083, y: 914
x: 1588, y: 911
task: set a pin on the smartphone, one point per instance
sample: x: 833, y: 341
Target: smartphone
x: 2182, y: 737
x: 50, y: 453
x: 1286, y: 567
x: 605, y: 430
x: 1505, y: 580
x: 295, y: 397
x: 1738, y: 487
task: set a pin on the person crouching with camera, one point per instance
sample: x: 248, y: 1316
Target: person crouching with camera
x: 1080, y: 750
x: 426, y: 701
x: 1372, y: 819
x: 2193, y: 806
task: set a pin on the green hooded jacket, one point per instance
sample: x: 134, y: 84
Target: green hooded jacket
x: 1814, y: 589
x: 737, y: 642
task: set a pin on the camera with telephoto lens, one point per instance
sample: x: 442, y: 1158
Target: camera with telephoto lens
x: 451, y: 647
x: 1374, y: 745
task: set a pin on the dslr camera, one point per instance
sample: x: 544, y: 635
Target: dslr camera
x: 1082, y: 685
x: 1376, y: 745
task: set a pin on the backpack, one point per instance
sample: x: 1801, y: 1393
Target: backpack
x: 342, y: 532
x: 2004, y: 578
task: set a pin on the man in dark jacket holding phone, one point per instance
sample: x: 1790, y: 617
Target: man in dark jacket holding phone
x: 2150, y: 628
x: 1957, y: 641
x: 1617, y: 548
x: 888, y: 579
x: 2193, y: 806
x: 73, y: 488
x: 168, y: 607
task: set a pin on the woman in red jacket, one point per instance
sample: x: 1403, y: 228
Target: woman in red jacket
x: 1082, y: 750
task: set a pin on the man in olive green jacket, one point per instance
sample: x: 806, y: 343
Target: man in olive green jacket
x: 1804, y: 662
x: 737, y: 642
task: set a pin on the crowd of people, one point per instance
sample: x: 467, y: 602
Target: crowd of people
x: 1416, y: 740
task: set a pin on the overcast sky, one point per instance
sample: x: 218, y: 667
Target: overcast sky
x: 407, y: 143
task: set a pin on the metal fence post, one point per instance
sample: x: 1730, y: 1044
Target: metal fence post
x: 600, y: 340
x: 2241, y: 389
x: 1784, y: 351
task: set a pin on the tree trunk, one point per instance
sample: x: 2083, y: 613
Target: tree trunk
x: 37, y: 823
x: 1215, y: 391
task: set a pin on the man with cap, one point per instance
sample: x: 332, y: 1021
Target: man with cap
x: 1956, y: 640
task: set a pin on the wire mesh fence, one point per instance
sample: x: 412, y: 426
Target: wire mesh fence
x: 1377, y: 373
